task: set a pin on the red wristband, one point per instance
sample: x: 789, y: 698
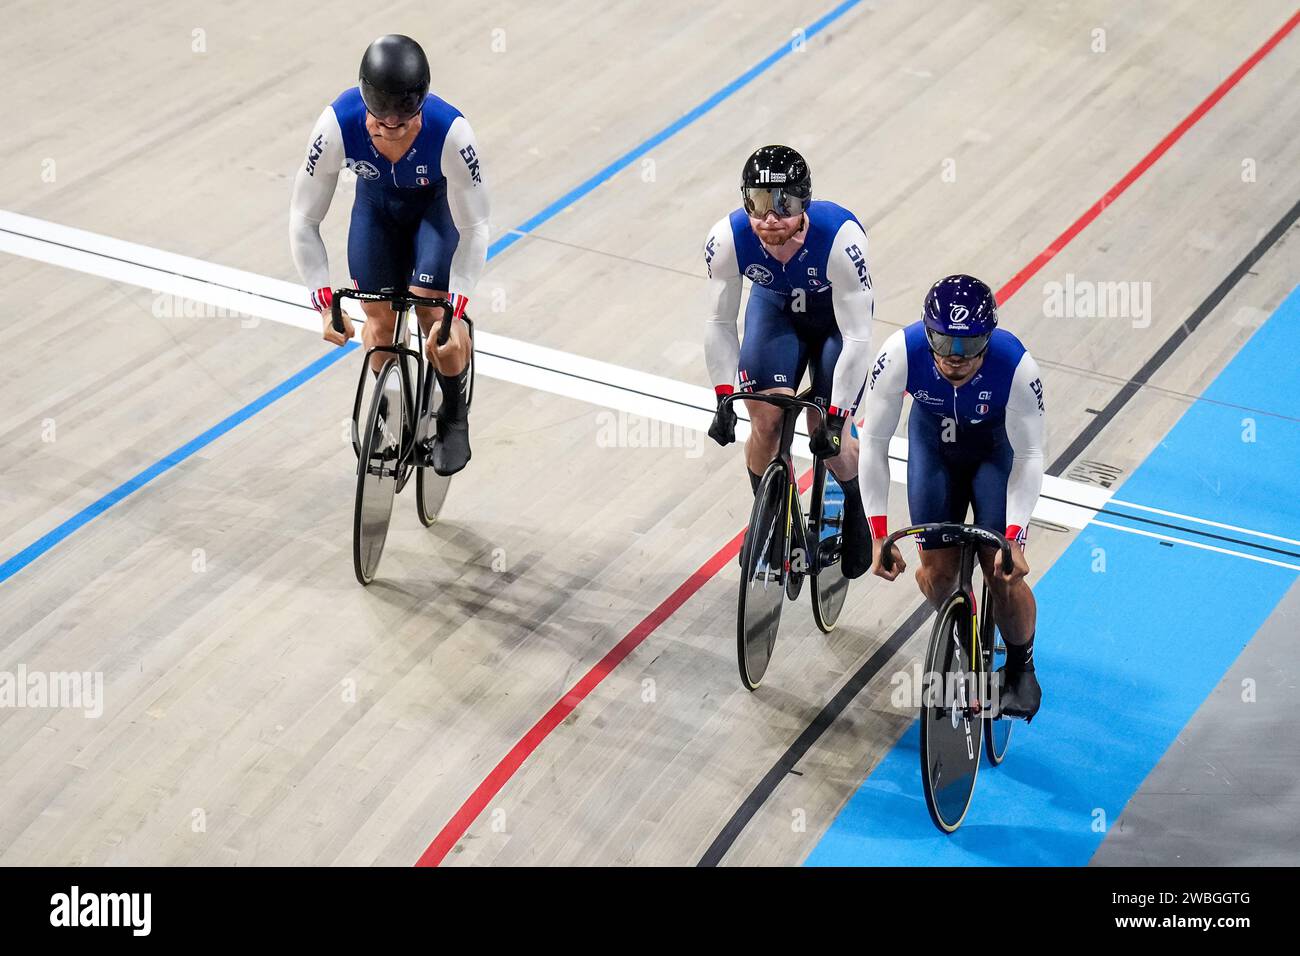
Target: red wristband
x: 879, y: 526
x: 458, y: 303
x: 721, y: 390
x: 1016, y: 534
x: 322, y: 298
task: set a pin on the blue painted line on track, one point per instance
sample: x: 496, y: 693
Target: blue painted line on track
x: 27, y: 555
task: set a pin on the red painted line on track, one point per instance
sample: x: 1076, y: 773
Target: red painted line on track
x: 1162, y: 147
x: 492, y: 784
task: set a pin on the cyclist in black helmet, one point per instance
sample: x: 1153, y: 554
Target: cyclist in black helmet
x: 419, y: 219
x: 810, y: 307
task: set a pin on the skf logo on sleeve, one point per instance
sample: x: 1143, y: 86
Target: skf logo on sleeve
x: 471, y: 163
x: 878, y: 368
x: 1037, y: 386
x: 313, y: 154
x: 710, y: 250
x: 860, y: 263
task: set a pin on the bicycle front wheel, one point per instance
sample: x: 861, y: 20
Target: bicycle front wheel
x: 378, y: 472
x: 762, y: 579
x: 950, y: 715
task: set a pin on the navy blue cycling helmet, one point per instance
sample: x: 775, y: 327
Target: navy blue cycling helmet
x: 960, y: 315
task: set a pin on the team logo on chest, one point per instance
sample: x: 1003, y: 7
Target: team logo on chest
x: 363, y: 169
x: 760, y: 274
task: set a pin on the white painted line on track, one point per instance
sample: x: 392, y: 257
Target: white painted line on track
x: 1063, y: 502
x: 1197, y: 544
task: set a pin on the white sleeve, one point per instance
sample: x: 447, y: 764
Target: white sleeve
x: 721, y: 340
x: 881, y: 410
x: 467, y: 198
x: 1025, y: 432
x: 313, y: 191
x: 854, y: 302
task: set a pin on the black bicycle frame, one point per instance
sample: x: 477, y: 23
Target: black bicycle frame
x: 402, y: 303
x: 969, y: 537
x: 790, y: 406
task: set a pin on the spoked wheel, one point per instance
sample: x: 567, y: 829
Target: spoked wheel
x: 829, y: 585
x: 997, y: 731
x: 762, y: 577
x: 377, y: 472
x: 950, y: 715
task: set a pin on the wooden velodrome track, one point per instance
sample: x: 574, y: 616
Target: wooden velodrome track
x: 262, y: 708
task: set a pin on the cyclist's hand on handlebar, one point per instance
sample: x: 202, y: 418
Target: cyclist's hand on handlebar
x: 825, y: 441
x: 321, y: 299
x: 723, y: 429
x: 878, y: 569
x: 1019, y: 566
x: 332, y: 335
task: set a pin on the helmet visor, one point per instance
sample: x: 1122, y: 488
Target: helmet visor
x: 760, y: 200
x: 383, y: 104
x: 957, y: 346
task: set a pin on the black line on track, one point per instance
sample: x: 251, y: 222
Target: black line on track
x: 812, y: 733
x: 1203, y: 534
x: 153, y: 268
x: 749, y: 808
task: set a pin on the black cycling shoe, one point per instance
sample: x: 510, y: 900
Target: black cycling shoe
x: 1020, y: 695
x: 855, y: 550
x: 450, y: 452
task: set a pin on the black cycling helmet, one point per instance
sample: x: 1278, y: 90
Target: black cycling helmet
x: 394, y: 77
x: 775, y: 178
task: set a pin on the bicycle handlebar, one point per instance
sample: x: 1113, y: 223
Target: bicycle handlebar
x: 960, y: 532
x: 400, y: 301
x: 780, y: 401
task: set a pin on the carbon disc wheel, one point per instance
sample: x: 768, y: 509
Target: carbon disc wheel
x: 829, y: 585
x: 950, y: 716
x: 377, y: 472
x: 997, y: 730
x: 763, y: 578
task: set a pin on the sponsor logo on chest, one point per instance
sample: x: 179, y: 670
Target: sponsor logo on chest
x: 364, y: 169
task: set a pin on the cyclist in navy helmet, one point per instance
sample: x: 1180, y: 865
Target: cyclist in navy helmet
x: 975, y: 440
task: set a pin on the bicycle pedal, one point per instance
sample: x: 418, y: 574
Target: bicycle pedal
x: 828, y: 553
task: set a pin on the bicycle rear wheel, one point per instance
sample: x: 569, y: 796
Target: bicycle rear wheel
x: 997, y: 730
x: 950, y: 716
x: 378, y: 471
x: 762, y: 578
x: 829, y: 585
x: 430, y: 487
